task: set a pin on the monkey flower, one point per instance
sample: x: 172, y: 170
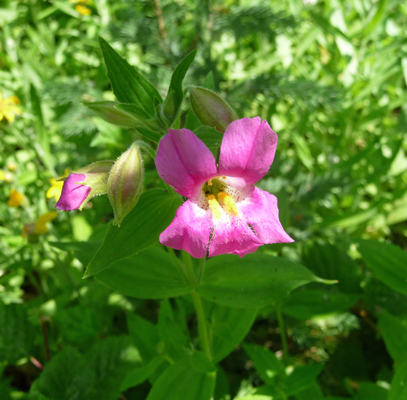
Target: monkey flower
x: 224, y: 213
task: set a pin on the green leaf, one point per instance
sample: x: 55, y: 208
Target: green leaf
x: 398, y: 390
x: 62, y: 383
x: 254, y: 281
x: 387, y: 261
x: 83, y: 251
x: 139, y: 375
x: 98, y: 374
x: 144, y: 335
x: 370, y: 391
x: 16, y: 333
x: 303, y: 151
x: 128, y: 85
x: 302, y: 377
x: 171, y: 332
x: 304, y: 304
x: 110, y: 361
x: 313, y: 392
x: 229, y: 327
x: 173, y: 101
x: 152, y: 274
x: 329, y: 262
x: 191, y: 378
x: 140, y: 229
x: 149, y: 134
x: 394, y: 333
x: 269, y: 367
x: 377, y: 18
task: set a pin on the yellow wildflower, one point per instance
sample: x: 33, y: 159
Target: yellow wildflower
x: 39, y: 227
x: 41, y: 222
x: 15, y: 199
x: 6, y: 176
x: 8, y: 107
x: 81, y: 6
x: 12, y: 165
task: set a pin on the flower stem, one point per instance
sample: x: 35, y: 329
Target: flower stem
x: 198, y: 305
x: 202, y: 325
x: 189, y: 269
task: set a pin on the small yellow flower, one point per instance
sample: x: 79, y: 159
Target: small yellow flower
x: 83, y: 10
x: 41, y: 222
x: 6, y: 176
x: 39, y: 227
x: 81, y: 6
x: 8, y: 107
x: 12, y: 165
x: 15, y: 199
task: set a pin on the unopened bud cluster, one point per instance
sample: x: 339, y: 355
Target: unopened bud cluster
x: 121, y: 180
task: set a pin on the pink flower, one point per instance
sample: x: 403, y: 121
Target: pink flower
x: 224, y: 213
x: 73, y: 193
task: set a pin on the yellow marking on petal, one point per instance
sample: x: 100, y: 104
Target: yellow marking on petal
x: 215, y: 207
x: 229, y: 203
x: 210, y: 182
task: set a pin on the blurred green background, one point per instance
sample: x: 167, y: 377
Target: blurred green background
x: 329, y: 76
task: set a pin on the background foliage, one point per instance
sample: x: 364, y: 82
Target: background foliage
x: 330, y: 77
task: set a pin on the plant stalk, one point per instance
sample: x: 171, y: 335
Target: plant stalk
x: 198, y: 305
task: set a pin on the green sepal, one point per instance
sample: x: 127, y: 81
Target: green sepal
x: 96, y: 178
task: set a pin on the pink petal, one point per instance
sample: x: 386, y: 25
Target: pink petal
x: 184, y: 162
x: 73, y: 195
x: 247, y: 149
x: 233, y: 237
x: 261, y: 212
x: 189, y: 230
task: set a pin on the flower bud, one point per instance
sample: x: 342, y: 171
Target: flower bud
x: 125, y: 182
x: 211, y: 109
x: 107, y: 111
x: 169, y: 109
x: 83, y: 184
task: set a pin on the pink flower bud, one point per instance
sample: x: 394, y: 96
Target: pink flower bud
x: 83, y: 184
